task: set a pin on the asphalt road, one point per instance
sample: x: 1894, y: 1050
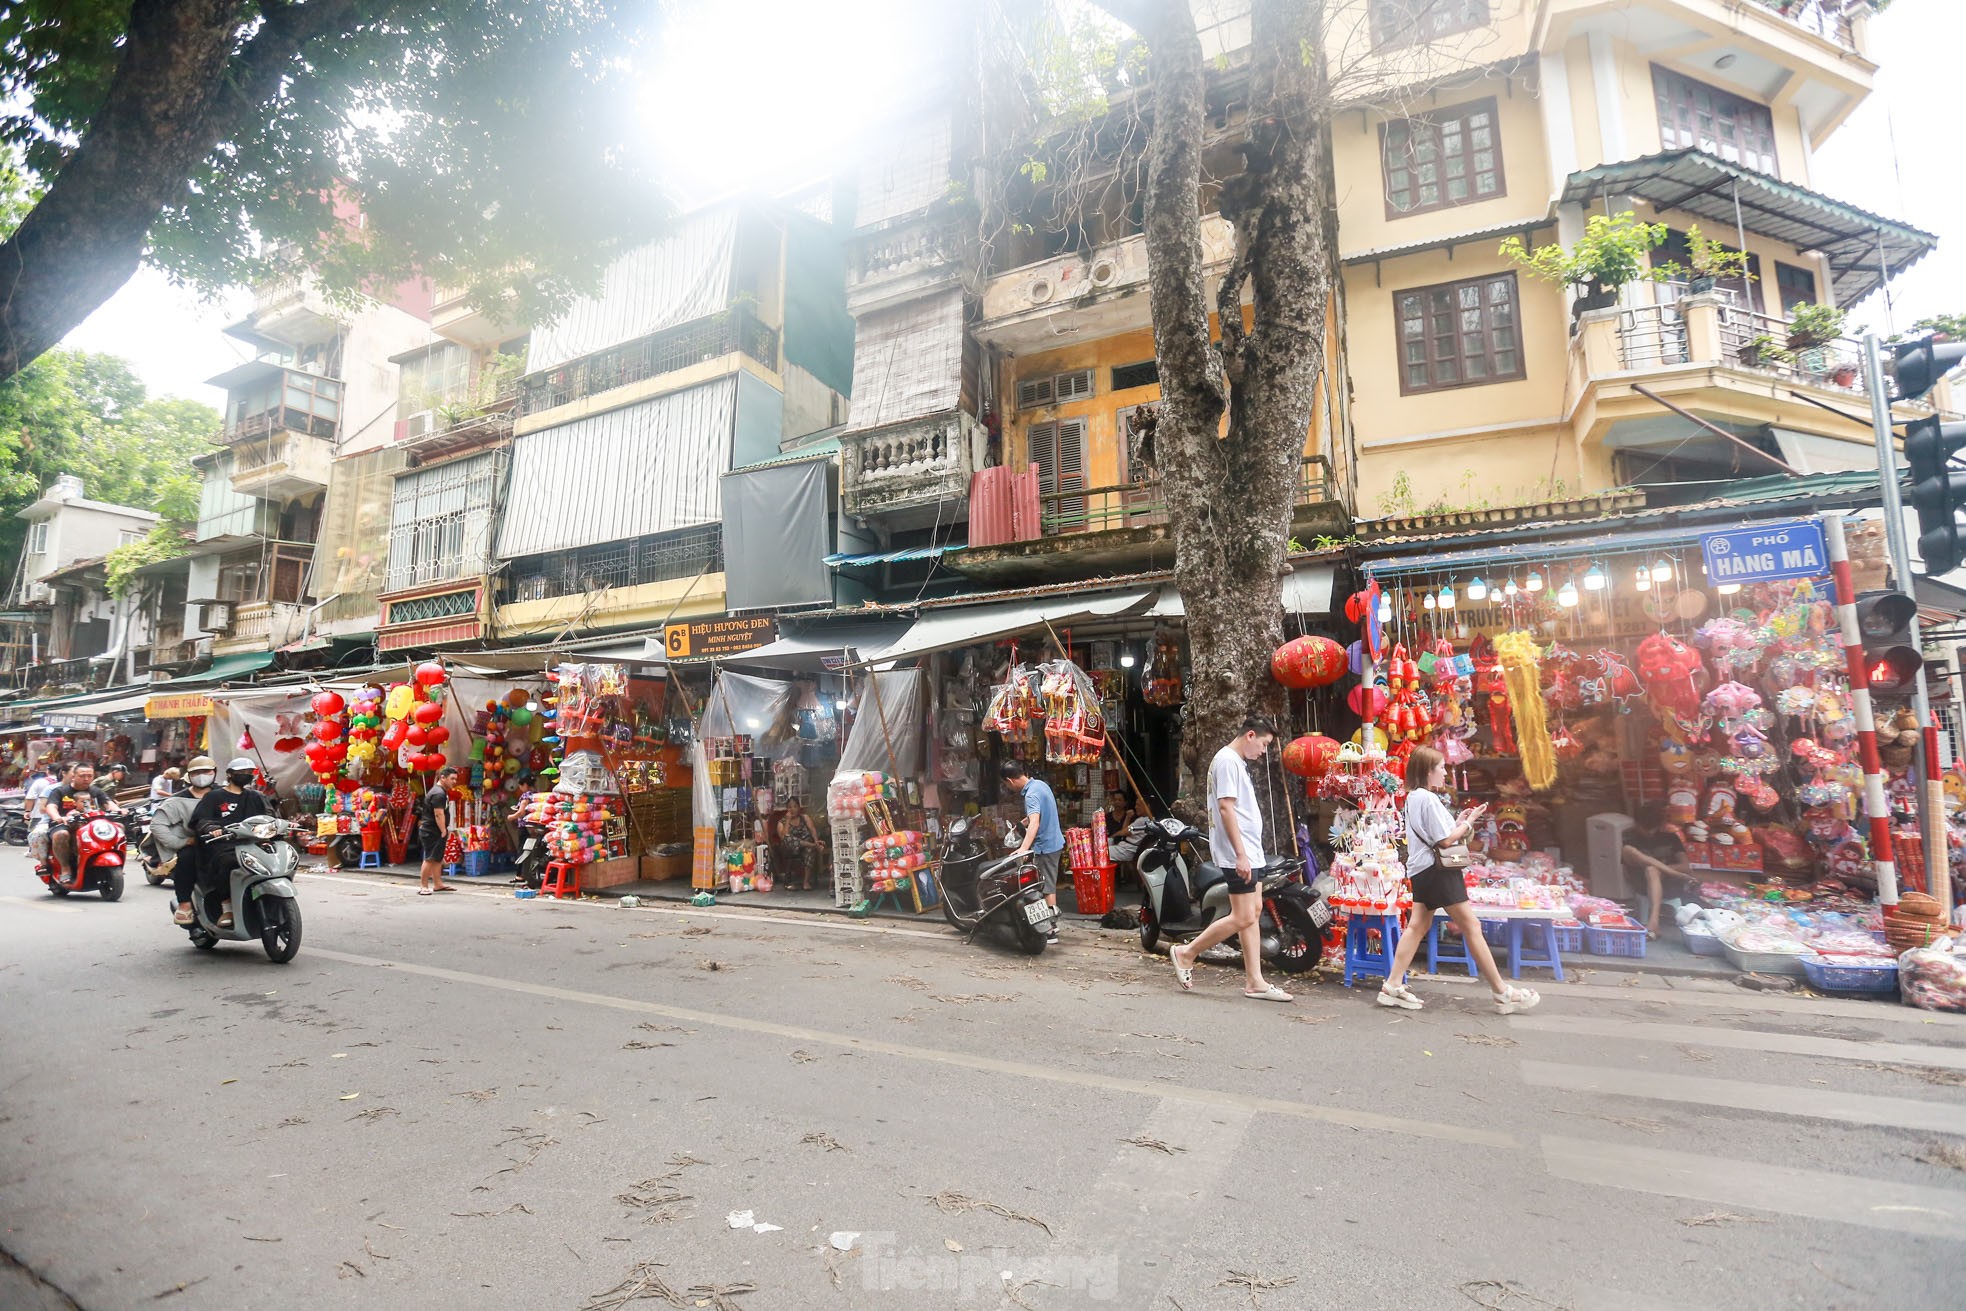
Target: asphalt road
x: 474, y: 1102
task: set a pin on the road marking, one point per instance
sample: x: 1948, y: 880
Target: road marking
x: 960, y: 1060
x: 1813, y: 1194
x: 1777, y: 1099
x: 43, y: 903
x: 817, y: 921
x: 1747, y: 1040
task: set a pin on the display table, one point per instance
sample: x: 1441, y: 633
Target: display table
x: 1549, y: 956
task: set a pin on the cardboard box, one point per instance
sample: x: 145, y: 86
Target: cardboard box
x: 660, y: 869
x: 604, y: 874
x: 1744, y: 858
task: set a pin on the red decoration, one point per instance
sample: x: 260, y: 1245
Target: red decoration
x: 428, y: 713
x: 327, y: 730
x: 437, y: 735
x: 328, y: 703
x: 1311, y: 755
x: 429, y: 674
x: 416, y: 735
x: 1308, y: 662
x: 1368, y: 701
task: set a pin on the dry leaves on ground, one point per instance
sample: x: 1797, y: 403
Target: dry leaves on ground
x: 1947, y: 1154
x: 952, y: 1203
x: 643, y: 1284
x: 1152, y: 1144
x: 824, y: 1140
x: 1715, y: 1219
x: 1256, y: 1284
x: 966, y: 999
x: 1487, y: 1039
x: 1501, y: 1295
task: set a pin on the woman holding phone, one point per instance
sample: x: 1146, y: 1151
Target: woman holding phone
x: 1429, y: 827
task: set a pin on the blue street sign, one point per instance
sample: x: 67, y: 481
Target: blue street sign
x: 1764, y: 553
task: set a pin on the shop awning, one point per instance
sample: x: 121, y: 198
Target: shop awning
x: 1859, y: 245
x: 85, y: 712
x: 847, y: 560
x: 823, y: 648
x: 1307, y: 591
x: 941, y: 630
x: 189, y: 697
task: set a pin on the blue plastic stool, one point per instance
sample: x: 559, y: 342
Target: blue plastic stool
x: 1545, y: 957
x: 1360, y: 959
x: 1463, y: 955
x: 370, y: 860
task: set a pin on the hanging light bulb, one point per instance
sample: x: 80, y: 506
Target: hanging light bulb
x: 1446, y: 597
x: 1644, y: 583
x: 1385, y: 609
x: 1728, y: 589
x: 1477, y: 590
x: 1429, y: 601
x: 1534, y: 582
x: 1595, y: 580
x: 1662, y: 571
x: 1509, y: 588
x: 1566, y: 596
x: 1126, y: 661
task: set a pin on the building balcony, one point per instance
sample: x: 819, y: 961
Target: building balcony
x: 736, y: 331
x: 290, y: 307
x: 1124, y: 529
x: 913, y: 474
x: 430, y: 436
x: 261, y: 626
x: 438, y: 613
x: 455, y: 318
x: 1100, y: 288
x: 278, y: 464
x: 889, y: 266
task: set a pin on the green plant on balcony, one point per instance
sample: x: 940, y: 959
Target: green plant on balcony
x: 1611, y: 254
x: 1764, y: 351
x: 1709, y: 260
x: 1814, y: 325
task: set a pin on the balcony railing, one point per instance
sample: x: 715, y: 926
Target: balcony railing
x: 279, y: 419
x: 1829, y: 19
x: 1144, y: 504
x: 1717, y: 330
x: 733, y: 330
x: 910, y: 465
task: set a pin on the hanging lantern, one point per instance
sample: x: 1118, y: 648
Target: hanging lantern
x: 1367, y: 700
x: 1306, y: 662
x: 427, y: 713
x: 327, y: 703
x: 429, y: 674
x: 1310, y: 756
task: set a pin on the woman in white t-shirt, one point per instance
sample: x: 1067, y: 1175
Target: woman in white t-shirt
x: 1429, y: 827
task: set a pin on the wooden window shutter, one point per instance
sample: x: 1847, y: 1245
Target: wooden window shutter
x: 1033, y: 393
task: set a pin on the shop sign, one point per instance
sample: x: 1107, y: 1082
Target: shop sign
x: 69, y: 723
x: 179, y: 705
x: 704, y: 639
x: 1765, y: 553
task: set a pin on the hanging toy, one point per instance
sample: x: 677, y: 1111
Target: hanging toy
x: 1518, y: 653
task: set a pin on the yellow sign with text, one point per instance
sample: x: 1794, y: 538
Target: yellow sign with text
x: 706, y: 639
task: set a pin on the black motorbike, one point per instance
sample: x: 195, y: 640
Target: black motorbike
x: 1182, y: 893
x: 13, y: 822
x: 1006, y: 895
x: 136, y: 832
x: 533, y: 856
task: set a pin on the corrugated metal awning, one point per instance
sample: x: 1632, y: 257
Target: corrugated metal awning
x: 823, y: 648
x: 846, y: 559
x: 641, y: 469
x: 941, y: 630
x: 1855, y: 241
x: 907, y: 361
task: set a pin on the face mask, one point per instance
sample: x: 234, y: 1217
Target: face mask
x: 201, y: 780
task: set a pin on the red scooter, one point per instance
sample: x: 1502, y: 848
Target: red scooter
x: 98, y: 842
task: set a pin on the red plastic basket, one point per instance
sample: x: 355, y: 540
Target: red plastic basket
x: 1093, y: 887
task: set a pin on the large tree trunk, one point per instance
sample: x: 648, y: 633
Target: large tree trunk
x: 183, y: 84
x: 1230, y: 496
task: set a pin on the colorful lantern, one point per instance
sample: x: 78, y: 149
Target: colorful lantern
x: 1311, y: 755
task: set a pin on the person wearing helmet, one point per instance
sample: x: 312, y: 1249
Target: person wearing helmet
x: 176, y: 840
x: 218, y: 810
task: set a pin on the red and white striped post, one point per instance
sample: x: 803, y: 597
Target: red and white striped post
x: 1877, y: 808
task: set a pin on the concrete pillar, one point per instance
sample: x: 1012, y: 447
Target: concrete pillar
x: 1702, y: 328
x: 1597, y: 338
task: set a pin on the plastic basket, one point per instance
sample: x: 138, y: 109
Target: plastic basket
x: 1094, y: 889
x: 1629, y: 943
x: 1881, y: 977
x: 1703, y: 944
x: 477, y: 864
x: 1763, y: 962
x: 1569, y: 936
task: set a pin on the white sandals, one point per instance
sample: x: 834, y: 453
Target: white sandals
x: 1510, y: 1000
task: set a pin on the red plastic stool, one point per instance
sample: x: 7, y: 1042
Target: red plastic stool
x: 562, y: 880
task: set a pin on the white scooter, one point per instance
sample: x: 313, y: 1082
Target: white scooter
x: 264, y: 904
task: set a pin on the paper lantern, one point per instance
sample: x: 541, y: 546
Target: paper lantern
x: 416, y: 735
x: 327, y: 730
x: 427, y: 713
x: 437, y: 735
x: 400, y: 701
x: 328, y: 703
x: 1367, y: 700
x: 518, y: 696
x: 1310, y: 756
x: 1284, y: 665
x: 1308, y: 662
x: 429, y: 674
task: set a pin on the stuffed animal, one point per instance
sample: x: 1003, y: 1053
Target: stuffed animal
x: 1897, y: 741
x: 1673, y: 678
x: 1724, y: 828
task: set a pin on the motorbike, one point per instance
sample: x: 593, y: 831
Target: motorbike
x: 261, y: 880
x: 533, y: 856
x: 13, y: 822
x: 1007, y: 894
x: 1182, y: 893
x: 136, y: 834
x: 98, y: 843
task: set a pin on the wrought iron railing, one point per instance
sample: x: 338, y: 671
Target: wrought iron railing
x: 737, y: 329
x: 1826, y: 18
x: 1144, y: 504
x: 660, y: 558
x: 1760, y: 341
x: 280, y: 418
x: 1652, y: 335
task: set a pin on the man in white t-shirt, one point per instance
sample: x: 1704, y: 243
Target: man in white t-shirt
x: 1235, y: 844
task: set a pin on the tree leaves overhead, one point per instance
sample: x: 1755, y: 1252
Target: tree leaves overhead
x: 489, y: 145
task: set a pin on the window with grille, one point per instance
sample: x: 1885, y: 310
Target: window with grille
x: 1442, y: 159
x: 440, y: 521
x: 1411, y: 22
x: 1693, y: 114
x: 1459, y: 334
x: 1058, y: 449
x: 662, y: 557
x: 1128, y: 376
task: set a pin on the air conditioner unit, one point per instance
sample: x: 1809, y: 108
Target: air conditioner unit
x: 420, y: 424
x: 215, y: 616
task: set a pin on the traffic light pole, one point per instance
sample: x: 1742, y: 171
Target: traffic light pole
x: 1931, y: 812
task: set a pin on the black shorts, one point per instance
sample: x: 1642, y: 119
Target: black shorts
x: 1240, y: 886
x: 1439, y: 888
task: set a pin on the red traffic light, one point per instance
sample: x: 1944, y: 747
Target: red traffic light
x: 1894, y: 669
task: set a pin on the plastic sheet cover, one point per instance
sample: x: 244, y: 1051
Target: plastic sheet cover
x: 777, y: 535
x: 908, y: 362
x: 256, y: 725
x: 887, y: 726
x: 740, y: 705
x: 686, y: 276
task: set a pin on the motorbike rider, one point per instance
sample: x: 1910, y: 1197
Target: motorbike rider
x: 46, y: 777
x: 218, y: 810
x: 175, y: 839
x: 77, y: 794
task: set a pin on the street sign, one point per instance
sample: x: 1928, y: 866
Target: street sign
x: 1764, y: 553
x: 705, y: 639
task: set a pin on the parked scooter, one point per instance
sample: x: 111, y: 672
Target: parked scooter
x: 1182, y: 893
x: 13, y: 821
x: 532, y: 858
x: 1007, y: 894
x: 261, y: 878
x: 98, y: 865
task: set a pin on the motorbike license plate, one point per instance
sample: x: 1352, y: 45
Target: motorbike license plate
x: 1321, y: 915
x: 1038, y: 912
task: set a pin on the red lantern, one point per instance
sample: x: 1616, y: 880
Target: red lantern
x: 429, y: 674
x: 338, y: 752
x: 1310, y: 756
x: 428, y: 713
x: 327, y: 730
x: 437, y: 735
x: 328, y: 703
x: 1368, y: 701
x: 345, y: 785
x: 1284, y: 666
x: 392, y: 737
x: 416, y: 735
x: 1308, y: 662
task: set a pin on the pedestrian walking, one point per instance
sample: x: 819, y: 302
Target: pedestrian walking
x: 1043, y: 838
x: 1430, y: 827
x: 1235, y: 844
x: 433, y: 826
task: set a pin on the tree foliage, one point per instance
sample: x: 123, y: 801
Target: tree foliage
x: 90, y: 415
x: 488, y: 145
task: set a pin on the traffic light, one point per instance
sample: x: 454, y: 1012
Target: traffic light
x: 1919, y: 364
x: 1937, y: 491
x: 1891, y: 658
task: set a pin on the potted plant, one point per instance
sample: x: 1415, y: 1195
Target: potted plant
x: 1766, y: 352
x: 1709, y: 260
x: 1814, y: 325
x: 1611, y: 253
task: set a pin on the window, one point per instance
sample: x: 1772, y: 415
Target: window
x: 1128, y: 376
x: 37, y: 538
x: 238, y: 581
x: 1054, y: 389
x: 1795, y: 286
x: 441, y: 521
x: 1410, y: 22
x: 1693, y: 114
x: 1058, y: 449
x: 1459, y: 334
x: 1439, y: 160
x: 441, y: 374
x: 129, y: 536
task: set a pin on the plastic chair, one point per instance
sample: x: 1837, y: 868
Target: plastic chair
x: 562, y: 880
x: 1436, y: 955
x: 369, y: 860
x: 1543, y: 957
x: 1360, y: 959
